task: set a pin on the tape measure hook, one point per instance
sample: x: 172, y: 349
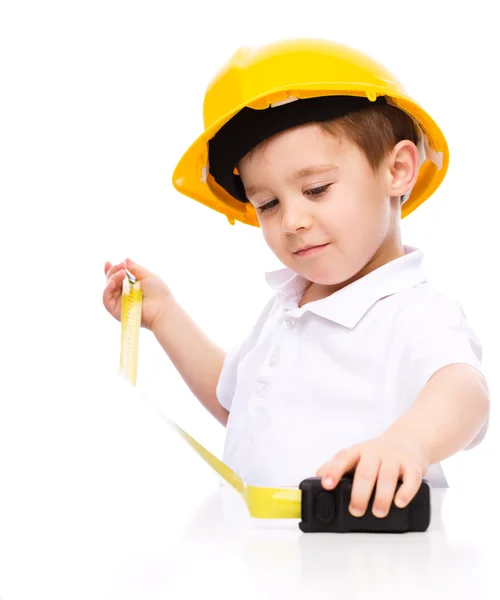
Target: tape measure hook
x: 131, y: 278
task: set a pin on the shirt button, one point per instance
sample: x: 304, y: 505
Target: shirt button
x: 273, y: 361
x: 288, y: 323
x: 260, y: 390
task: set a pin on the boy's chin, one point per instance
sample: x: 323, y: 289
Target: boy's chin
x: 324, y: 276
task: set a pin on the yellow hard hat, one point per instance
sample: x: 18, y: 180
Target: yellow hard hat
x: 257, y: 79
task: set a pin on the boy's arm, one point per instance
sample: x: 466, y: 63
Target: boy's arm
x: 198, y: 359
x: 448, y: 413
x: 446, y: 417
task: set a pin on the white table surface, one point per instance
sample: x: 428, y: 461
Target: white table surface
x: 101, y: 500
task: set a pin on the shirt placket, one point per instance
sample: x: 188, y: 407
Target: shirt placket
x: 282, y: 344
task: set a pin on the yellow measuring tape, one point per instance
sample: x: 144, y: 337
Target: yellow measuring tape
x: 262, y: 503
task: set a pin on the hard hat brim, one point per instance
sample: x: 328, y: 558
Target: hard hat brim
x: 192, y: 179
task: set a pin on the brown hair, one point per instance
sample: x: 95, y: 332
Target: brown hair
x: 375, y: 130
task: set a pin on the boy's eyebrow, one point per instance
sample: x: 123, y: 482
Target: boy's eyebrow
x: 250, y: 191
x: 300, y: 174
x: 313, y: 170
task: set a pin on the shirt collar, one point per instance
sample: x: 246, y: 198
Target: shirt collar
x: 349, y: 304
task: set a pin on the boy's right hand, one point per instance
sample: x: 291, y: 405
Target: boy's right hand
x: 155, y: 292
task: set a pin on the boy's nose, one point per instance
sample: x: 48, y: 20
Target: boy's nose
x: 295, y: 218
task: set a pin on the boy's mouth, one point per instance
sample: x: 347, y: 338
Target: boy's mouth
x: 310, y: 249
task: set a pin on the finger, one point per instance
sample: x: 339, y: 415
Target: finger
x: 113, y: 287
x: 412, y: 479
x: 362, y: 486
x: 137, y: 270
x: 114, y: 269
x: 332, y: 471
x: 387, y: 482
x: 107, y: 264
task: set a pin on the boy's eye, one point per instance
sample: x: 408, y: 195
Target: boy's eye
x: 314, y: 192
x: 319, y: 190
x: 268, y: 206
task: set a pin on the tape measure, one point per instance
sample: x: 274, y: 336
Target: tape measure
x: 131, y: 325
x: 262, y: 503
x: 319, y: 509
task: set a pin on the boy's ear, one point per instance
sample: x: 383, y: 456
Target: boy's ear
x: 404, y: 164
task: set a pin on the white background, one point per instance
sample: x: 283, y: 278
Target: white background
x: 98, y: 101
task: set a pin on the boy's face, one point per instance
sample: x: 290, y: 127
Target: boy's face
x: 310, y: 188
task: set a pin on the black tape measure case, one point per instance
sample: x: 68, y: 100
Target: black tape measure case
x: 328, y: 510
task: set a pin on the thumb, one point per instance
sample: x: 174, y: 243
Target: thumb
x: 137, y: 270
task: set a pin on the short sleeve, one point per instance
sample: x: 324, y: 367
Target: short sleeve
x: 439, y: 335
x: 226, y: 385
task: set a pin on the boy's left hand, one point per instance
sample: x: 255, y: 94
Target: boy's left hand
x: 383, y: 461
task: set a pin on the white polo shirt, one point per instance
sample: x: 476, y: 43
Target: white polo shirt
x: 310, y: 381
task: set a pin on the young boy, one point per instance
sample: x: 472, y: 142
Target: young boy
x: 356, y: 363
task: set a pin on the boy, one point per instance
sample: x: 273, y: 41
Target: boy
x: 356, y: 363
